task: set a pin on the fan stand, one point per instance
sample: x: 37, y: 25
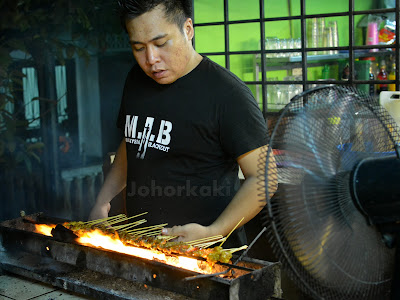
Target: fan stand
x: 396, y: 276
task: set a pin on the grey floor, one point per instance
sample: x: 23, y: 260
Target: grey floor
x: 18, y: 288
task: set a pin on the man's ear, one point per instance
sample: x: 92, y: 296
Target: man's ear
x: 188, y: 29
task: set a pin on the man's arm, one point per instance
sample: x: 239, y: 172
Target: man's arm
x: 113, y: 184
x: 246, y: 204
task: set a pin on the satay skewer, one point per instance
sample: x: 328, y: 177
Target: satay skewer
x: 121, y: 217
x: 98, y: 221
x: 206, y: 245
x: 231, y: 231
x: 141, y: 230
x: 130, y: 225
x: 152, y: 233
x: 232, y: 250
x: 122, y: 220
x: 205, y: 239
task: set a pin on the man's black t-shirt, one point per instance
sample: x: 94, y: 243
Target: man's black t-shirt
x: 183, y: 140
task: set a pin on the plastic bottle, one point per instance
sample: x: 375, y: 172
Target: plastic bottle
x: 326, y: 72
x: 346, y: 73
x: 392, y: 76
x: 382, y: 75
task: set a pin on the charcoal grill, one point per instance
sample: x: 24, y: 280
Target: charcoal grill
x: 103, y: 274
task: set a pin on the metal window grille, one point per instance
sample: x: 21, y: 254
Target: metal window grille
x: 303, y: 63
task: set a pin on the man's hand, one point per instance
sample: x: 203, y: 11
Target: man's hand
x: 188, y: 232
x: 99, y: 211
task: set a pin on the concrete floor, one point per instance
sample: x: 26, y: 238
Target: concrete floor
x: 13, y: 287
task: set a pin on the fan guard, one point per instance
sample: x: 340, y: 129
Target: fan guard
x: 322, y: 239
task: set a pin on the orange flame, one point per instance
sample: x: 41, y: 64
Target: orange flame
x: 44, y: 229
x: 96, y: 238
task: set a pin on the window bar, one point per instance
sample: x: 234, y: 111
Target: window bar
x: 226, y: 29
x: 303, y: 43
x: 193, y: 40
x: 351, y: 42
x: 263, y: 61
x: 290, y: 20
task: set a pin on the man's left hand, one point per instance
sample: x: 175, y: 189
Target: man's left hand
x: 188, y: 232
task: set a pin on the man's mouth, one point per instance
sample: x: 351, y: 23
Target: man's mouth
x: 159, y: 73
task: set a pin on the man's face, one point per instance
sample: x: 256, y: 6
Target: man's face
x: 160, y: 48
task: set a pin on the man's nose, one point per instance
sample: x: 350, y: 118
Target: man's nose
x: 152, y: 56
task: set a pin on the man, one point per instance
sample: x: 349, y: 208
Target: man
x: 188, y: 123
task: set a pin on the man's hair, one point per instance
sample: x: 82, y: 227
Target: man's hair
x: 176, y: 11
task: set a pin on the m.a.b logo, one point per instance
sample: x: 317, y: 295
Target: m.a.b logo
x: 145, y: 139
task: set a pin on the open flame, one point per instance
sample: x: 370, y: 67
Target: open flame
x: 44, y: 229
x: 96, y: 238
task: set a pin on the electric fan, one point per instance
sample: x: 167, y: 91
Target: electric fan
x: 334, y: 218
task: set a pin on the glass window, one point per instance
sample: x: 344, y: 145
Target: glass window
x: 364, y: 4
x: 244, y: 37
x: 206, y: 11
x: 31, y: 91
x: 243, y: 10
x: 323, y: 7
x: 242, y: 65
x: 219, y: 59
x: 61, y: 89
x: 210, y: 38
x: 321, y: 32
x: 257, y: 93
x: 279, y: 29
x: 275, y: 9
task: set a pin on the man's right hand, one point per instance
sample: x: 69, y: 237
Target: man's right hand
x: 99, y: 211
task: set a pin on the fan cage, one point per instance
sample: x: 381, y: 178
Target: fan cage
x: 316, y: 141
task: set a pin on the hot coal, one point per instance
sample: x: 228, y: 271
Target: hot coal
x: 62, y: 234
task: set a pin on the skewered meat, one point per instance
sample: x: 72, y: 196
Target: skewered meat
x: 179, y: 248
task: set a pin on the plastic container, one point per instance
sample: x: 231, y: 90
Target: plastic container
x: 391, y: 102
x: 372, y: 35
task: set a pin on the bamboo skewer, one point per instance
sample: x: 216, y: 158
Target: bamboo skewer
x: 231, y: 231
x: 147, y: 232
x: 120, y: 217
x: 206, y: 245
x: 205, y: 239
x: 129, y: 225
x: 122, y: 220
x: 148, y: 227
x: 141, y: 230
x: 232, y: 250
x: 98, y: 221
x: 152, y: 233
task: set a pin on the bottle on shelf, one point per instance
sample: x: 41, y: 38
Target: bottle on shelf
x: 326, y: 72
x: 392, y: 76
x: 382, y: 75
x: 371, y: 85
x: 373, y: 72
x: 346, y: 73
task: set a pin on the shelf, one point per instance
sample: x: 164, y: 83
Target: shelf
x: 320, y: 58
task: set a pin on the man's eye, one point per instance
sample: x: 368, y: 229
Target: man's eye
x: 139, y: 49
x: 162, y: 45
